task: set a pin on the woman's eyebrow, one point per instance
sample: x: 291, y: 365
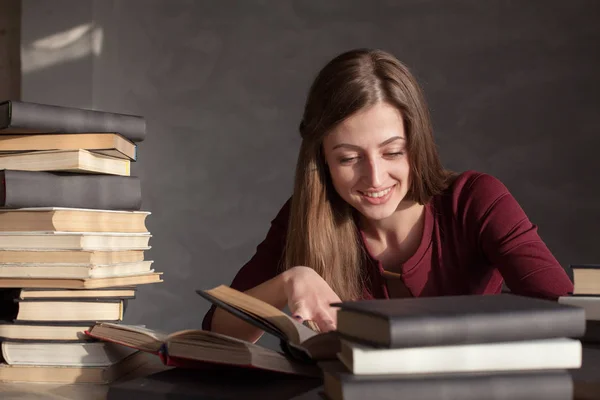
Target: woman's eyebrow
x: 353, y: 147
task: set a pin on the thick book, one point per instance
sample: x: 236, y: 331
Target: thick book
x: 95, y: 283
x: 586, y: 279
x: 72, y: 220
x: 96, y: 257
x: 80, y: 161
x: 199, y: 348
x: 47, y: 294
x: 559, y: 353
x: 72, y: 374
x: 339, y: 384
x: 18, y: 117
x: 50, y: 332
x: 79, y: 354
x: 447, y: 320
x: 74, y: 271
x: 108, y: 144
x: 58, y: 311
x: 22, y: 189
x: 51, y: 240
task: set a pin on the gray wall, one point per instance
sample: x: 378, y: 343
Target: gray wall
x: 513, y: 88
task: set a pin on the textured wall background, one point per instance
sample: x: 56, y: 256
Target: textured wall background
x: 513, y: 88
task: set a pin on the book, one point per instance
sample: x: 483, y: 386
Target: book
x: 65, y: 189
x: 447, y: 320
x: 591, y: 307
x: 32, y: 293
x: 81, y: 161
x: 30, y: 240
x: 94, y: 257
x: 72, y: 220
x: 95, y: 283
x: 586, y: 279
x: 297, y: 340
x: 71, y: 374
x: 74, y: 271
x: 24, y: 331
x: 198, y: 348
x: 78, y: 354
x: 559, y: 353
x: 65, y: 310
x: 18, y: 117
x: 339, y: 384
x: 108, y: 144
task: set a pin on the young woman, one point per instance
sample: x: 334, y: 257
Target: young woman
x: 375, y: 215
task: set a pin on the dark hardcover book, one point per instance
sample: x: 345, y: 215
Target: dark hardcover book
x: 447, y: 320
x: 527, y: 385
x: 17, y: 117
x: 22, y: 189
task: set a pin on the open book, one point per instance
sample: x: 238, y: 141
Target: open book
x: 301, y: 346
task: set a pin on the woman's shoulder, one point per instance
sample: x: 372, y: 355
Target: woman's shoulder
x: 474, y: 189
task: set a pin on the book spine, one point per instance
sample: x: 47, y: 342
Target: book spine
x: 53, y: 119
x: 21, y: 189
x: 550, y: 385
x: 568, y: 322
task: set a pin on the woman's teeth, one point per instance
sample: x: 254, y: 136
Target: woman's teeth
x: 378, y: 194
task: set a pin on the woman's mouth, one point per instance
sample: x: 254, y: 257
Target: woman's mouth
x: 377, y: 197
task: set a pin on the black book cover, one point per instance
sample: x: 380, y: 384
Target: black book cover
x: 23, y: 189
x: 447, y: 320
x: 521, y: 385
x: 16, y: 293
x: 23, y: 117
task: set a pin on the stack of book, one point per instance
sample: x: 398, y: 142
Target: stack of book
x: 586, y: 294
x: 496, y: 347
x: 72, y: 240
x: 457, y: 347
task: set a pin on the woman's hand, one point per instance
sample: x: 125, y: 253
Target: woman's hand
x: 309, y: 296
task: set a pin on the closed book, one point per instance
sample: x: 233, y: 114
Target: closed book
x: 72, y: 374
x: 586, y: 279
x: 113, y: 241
x: 93, y: 283
x: 70, y: 256
x: 340, y: 384
x: 559, y: 353
x: 47, y: 294
x: 22, y: 189
x: 88, y: 354
x: 74, y: 271
x: 63, y: 310
x: 21, y: 331
x: 109, y: 144
x: 72, y: 220
x: 81, y: 161
x: 18, y: 117
x: 437, y: 321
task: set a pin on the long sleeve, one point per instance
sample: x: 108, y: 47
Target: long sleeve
x: 510, y: 241
x: 266, y: 262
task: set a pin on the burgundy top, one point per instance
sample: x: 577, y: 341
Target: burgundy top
x: 475, y: 237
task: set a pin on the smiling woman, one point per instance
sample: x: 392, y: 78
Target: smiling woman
x: 375, y: 215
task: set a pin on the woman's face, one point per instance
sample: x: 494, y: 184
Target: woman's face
x: 366, y: 156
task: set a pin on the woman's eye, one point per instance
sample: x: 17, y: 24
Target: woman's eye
x: 394, y: 154
x: 347, y: 160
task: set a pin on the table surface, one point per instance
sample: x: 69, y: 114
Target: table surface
x: 210, y: 384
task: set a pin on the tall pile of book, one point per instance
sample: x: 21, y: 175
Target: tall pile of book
x: 458, y: 347
x: 72, y: 240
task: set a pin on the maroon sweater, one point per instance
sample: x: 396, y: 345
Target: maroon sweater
x: 475, y: 237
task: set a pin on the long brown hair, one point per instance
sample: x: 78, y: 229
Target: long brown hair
x: 322, y: 233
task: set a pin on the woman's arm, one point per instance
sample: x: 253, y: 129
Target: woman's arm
x: 510, y: 241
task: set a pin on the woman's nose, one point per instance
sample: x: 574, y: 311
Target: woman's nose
x: 373, y: 173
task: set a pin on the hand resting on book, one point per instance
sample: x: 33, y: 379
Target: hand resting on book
x: 309, y: 298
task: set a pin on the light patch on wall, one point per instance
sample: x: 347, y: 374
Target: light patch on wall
x: 62, y: 47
